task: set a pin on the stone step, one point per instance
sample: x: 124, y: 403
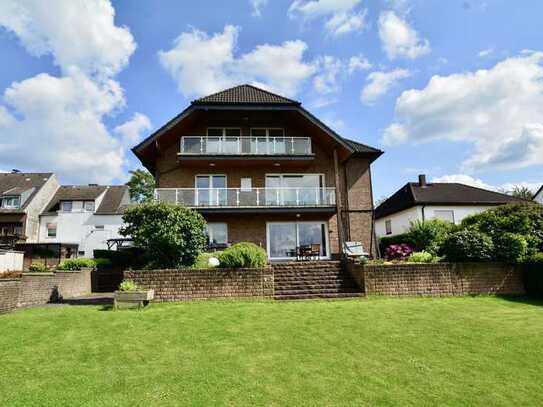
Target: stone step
x: 317, y: 296
x: 334, y: 286
x: 316, y: 290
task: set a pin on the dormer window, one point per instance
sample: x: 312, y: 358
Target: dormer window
x: 11, y: 202
x: 89, y: 206
x: 66, y: 206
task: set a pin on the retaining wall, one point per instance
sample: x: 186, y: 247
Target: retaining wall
x: 190, y: 284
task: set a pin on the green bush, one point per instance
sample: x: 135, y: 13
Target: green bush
x: 130, y: 257
x: 386, y: 241
x: 421, y: 257
x: 102, y: 264
x: 533, y: 274
x: 243, y: 255
x: 170, y: 235
x: 76, y: 264
x: 202, y: 262
x: 128, y: 285
x: 38, y: 268
x: 429, y: 235
x: 467, y: 245
x: 510, y: 247
x: 525, y: 219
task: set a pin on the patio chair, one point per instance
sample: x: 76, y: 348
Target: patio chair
x: 315, y: 251
x: 354, y: 249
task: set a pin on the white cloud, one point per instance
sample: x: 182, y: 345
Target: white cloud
x: 202, y: 64
x: 358, y: 63
x: 379, y: 83
x: 498, y: 110
x: 342, y: 16
x: 257, y: 7
x: 479, y: 183
x: 485, y: 52
x: 78, y: 33
x: 327, y: 80
x: 399, y: 39
x: 131, y: 131
x: 54, y: 123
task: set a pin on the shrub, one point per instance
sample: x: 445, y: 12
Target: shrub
x: 128, y: 285
x: 130, y: 257
x: 398, y: 251
x: 170, y: 235
x: 203, y: 260
x: 421, y: 257
x: 429, y: 235
x: 244, y: 255
x: 510, y: 247
x: 102, y: 264
x: 76, y: 264
x: 533, y: 274
x: 38, y: 268
x: 467, y: 245
x: 386, y: 241
x: 525, y: 219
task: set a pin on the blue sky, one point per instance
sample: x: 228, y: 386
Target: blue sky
x: 452, y: 89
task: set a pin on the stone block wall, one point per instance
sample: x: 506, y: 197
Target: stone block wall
x: 440, y: 279
x: 9, y: 294
x: 189, y: 284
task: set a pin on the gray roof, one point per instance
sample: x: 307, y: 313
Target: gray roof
x: 245, y: 95
x: 412, y: 194
x: 115, y: 201
x: 18, y: 183
x: 361, y: 148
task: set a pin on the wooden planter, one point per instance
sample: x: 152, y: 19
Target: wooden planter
x: 132, y: 298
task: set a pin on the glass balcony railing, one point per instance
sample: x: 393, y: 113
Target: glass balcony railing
x: 245, y: 145
x: 247, y: 198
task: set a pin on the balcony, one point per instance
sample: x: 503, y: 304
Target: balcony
x: 245, y: 146
x: 254, y: 198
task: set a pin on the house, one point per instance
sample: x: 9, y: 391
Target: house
x: 23, y: 196
x: 538, y: 197
x: 80, y: 219
x: 259, y: 167
x: 421, y: 200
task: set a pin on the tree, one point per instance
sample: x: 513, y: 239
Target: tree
x: 170, y: 235
x: 522, y: 192
x: 141, y: 186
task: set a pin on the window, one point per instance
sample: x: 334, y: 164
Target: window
x: 388, y: 227
x: 210, y: 190
x: 11, y: 202
x: 246, y: 184
x: 446, y: 215
x: 217, y: 233
x: 51, y: 230
x: 66, y: 206
x: 88, y: 206
x: 99, y: 227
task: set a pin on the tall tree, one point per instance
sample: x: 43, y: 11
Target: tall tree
x: 522, y: 192
x: 141, y: 186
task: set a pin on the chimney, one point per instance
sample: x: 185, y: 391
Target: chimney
x: 422, y: 180
x: 15, y: 171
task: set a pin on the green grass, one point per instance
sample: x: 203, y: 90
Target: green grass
x: 455, y: 351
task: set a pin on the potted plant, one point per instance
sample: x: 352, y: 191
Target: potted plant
x: 130, y: 293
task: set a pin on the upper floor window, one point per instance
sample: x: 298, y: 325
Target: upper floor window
x: 88, y: 206
x: 11, y: 202
x: 388, y: 227
x: 51, y: 230
x: 66, y: 206
x: 267, y: 132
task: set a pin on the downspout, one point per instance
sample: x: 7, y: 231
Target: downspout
x: 373, y: 237
x: 422, y: 211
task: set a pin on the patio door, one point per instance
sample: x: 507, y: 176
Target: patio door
x: 210, y: 190
x: 294, y: 189
x: 283, y: 238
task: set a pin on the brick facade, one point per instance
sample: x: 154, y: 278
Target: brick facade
x: 42, y: 288
x: 178, y: 285
x: 440, y: 279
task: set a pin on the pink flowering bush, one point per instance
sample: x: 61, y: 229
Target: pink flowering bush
x: 398, y: 251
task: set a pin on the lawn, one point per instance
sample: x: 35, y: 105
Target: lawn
x: 454, y: 351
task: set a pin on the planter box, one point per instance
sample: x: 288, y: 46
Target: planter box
x: 138, y: 298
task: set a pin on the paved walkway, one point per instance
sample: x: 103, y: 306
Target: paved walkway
x: 90, y: 299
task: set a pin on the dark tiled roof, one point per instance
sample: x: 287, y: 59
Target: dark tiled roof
x: 115, y: 201
x: 413, y: 193
x: 75, y: 193
x: 361, y: 148
x: 17, y: 183
x: 245, y: 95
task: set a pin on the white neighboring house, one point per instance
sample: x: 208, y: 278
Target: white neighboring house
x: 86, y: 216
x: 451, y: 202
x: 538, y: 197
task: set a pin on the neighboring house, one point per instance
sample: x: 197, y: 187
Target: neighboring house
x: 538, y: 197
x: 23, y: 196
x: 80, y: 219
x: 451, y: 202
x: 261, y: 168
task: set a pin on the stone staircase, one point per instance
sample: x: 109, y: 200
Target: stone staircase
x: 315, y: 279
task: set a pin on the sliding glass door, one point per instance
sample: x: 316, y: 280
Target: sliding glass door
x: 294, y: 189
x: 284, y: 239
x: 210, y: 190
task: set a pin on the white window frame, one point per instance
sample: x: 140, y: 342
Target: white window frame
x: 85, y: 206
x: 7, y: 199
x: 267, y: 129
x: 320, y: 222
x: 451, y: 211
x: 66, y: 202
x: 48, y: 228
x: 211, y: 187
x: 210, y: 235
x: 388, y: 227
